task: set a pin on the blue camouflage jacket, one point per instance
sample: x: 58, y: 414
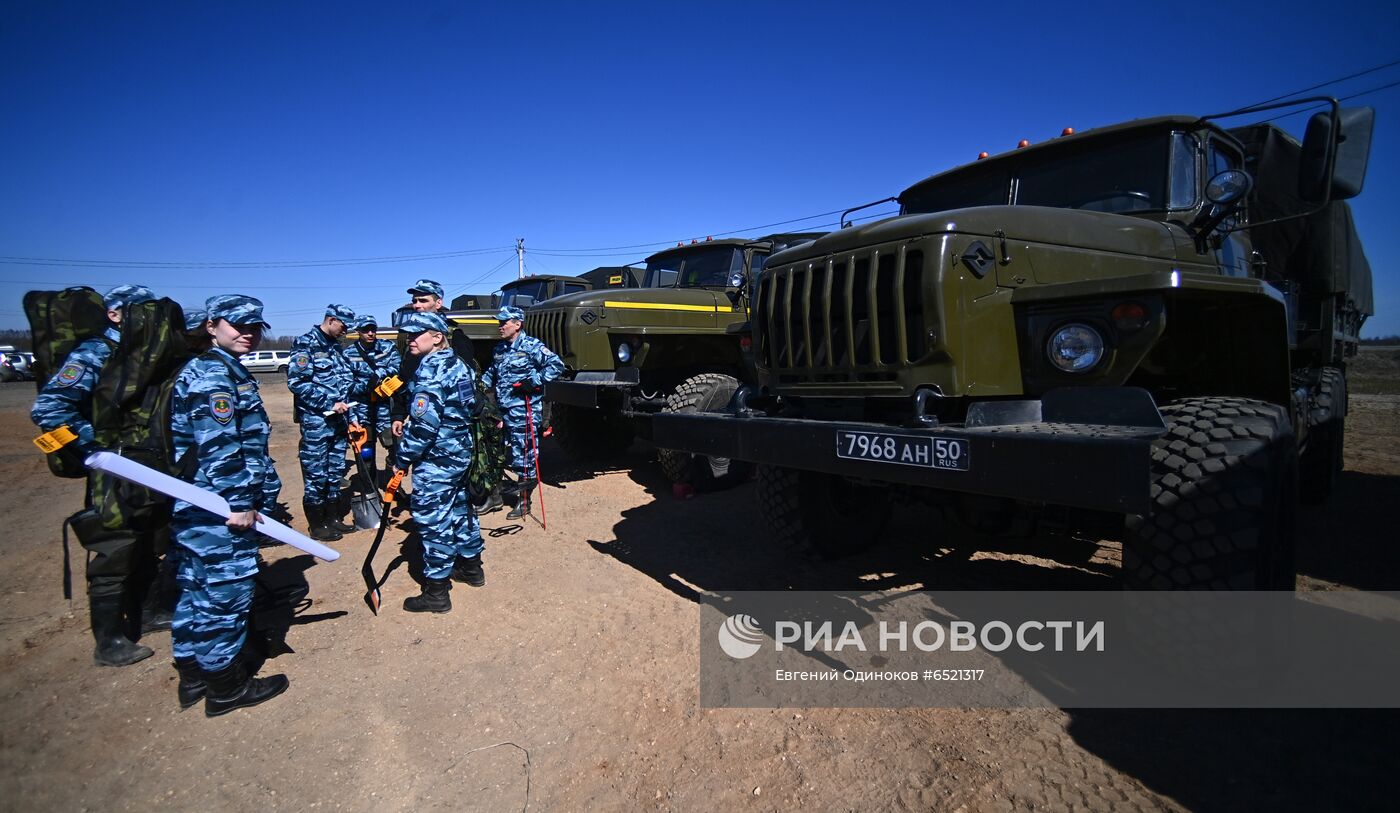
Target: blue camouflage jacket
x: 216, y: 410
x: 67, y: 397
x: 380, y: 363
x: 525, y: 359
x: 319, y: 374
x: 441, y: 403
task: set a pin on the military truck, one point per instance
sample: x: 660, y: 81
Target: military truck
x: 1139, y: 331
x: 669, y: 346
x: 471, y: 302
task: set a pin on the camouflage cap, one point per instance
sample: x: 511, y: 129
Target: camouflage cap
x: 123, y: 295
x: 419, y: 322
x: 509, y: 312
x: 366, y: 321
x: 195, y: 318
x: 426, y: 286
x: 341, y: 312
x: 236, y: 309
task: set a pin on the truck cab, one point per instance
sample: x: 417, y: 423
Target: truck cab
x: 674, y: 344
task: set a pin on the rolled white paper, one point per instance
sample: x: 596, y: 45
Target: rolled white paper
x: 118, y: 466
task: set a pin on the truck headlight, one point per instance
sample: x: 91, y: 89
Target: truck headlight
x: 624, y: 352
x: 1075, y: 348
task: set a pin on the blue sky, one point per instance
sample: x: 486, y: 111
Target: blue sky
x: 183, y: 133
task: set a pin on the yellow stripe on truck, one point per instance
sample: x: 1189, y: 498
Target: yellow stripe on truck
x: 648, y: 306
x: 491, y: 321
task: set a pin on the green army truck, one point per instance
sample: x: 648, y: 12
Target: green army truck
x: 670, y: 346
x: 1139, y: 332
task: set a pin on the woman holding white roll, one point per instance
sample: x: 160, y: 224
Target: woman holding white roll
x: 218, y: 417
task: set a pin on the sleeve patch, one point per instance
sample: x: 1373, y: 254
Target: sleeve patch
x: 420, y: 406
x: 301, y: 359
x: 69, y: 375
x: 221, y: 407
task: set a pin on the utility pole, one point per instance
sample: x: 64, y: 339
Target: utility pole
x: 520, y: 258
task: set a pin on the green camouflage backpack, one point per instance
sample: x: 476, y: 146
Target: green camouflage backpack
x: 489, y: 445
x: 58, y: 322
x: 131, y: 405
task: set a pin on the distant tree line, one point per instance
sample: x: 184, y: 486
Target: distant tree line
x: 1382, y: 340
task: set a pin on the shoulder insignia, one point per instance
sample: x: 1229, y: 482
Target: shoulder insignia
x: 420, y: 406
x: 301, y: 359
x: 320, y: 355
x: 221, y: 406
x: 69, y: 374
x: 247, y: 386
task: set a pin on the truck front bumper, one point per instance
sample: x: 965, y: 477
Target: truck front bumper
x: 1073, y: 448
x: 592, y: 390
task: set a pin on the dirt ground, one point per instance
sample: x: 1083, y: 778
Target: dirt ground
x: 570, y: 680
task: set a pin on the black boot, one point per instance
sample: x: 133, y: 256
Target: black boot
x: 192, y: 686
x: 113, y: 647
x: 231, y: 688
x: 433, y: 599
x: 468, y: 571
x: 336, y: 510
x: 523, y: 506
x: 492, y: 504
x: 316, y: 522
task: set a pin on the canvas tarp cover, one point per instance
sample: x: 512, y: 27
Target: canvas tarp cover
x: 1320, y: 251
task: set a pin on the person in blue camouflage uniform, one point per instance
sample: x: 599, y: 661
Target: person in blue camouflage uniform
x: 115, y: 554
x: 321, y: 379
x: 217, y: 414
x: 436, y: 443
x: 379, y: 359
x: 200, y: 341
x: 520, y: 366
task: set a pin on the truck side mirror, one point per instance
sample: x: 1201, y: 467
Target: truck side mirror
x: 1228, y: 187
x: 1347, y: 151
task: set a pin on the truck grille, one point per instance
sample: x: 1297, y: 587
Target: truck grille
x: 835, y: 320
x: 550, y: 327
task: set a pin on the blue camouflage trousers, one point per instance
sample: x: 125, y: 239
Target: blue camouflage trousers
x: 322, y: 455
x: 442, y: 510
x: 522, y: 449
x: 215, y: 567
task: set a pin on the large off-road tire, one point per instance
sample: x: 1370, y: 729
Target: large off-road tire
x: 1321, y: 462
x: 820, y: 513
x: 589, y: 434
x: 1224, y: 494
x: 706, y: 392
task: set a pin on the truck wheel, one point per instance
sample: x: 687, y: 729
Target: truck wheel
x: 829, y: 515
x: 588, y: 434
x: 1224, y: 492
x: 1321, y: 461
x: 703, y: 393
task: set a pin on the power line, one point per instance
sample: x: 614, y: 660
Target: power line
x: 400, y: 258
x: 1329, y: 82
x: 1377, y: 89
x: 562, y: 252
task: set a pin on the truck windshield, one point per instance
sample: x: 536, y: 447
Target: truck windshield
x: 1126, y: 175
x: 537, y: 291
x: 712, y: 268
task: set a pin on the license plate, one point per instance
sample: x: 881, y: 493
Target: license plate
x: 906, y: 450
